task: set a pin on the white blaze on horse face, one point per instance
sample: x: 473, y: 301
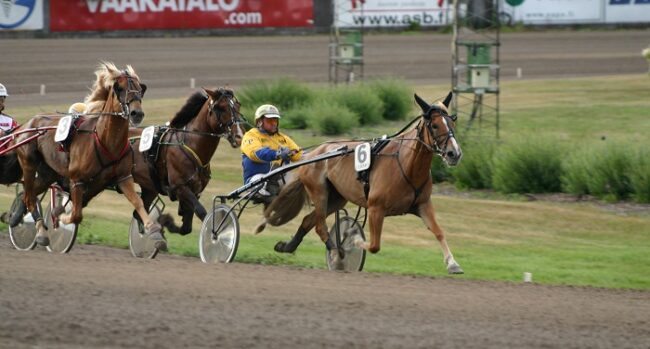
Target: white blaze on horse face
x: 451, y: 143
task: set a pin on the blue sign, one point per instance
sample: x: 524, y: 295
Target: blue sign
x: 627, y: 2
x: 15, y: 13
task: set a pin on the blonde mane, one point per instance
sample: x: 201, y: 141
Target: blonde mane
x: 106, y: 73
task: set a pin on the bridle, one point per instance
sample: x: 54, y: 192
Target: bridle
x: 235, y: 120
x: 132, y: 91
x: 432, y: 130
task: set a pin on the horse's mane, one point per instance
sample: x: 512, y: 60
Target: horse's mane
x: 190, y: 110
x: 106, y: 73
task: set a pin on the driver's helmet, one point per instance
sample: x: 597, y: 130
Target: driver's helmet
x: 77, y: 108
x: 267, y: 110
x: 3, y: 91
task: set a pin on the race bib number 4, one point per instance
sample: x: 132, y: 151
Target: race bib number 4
x: 63, y: 129
x: 362, y: 157
x: 146, y: 139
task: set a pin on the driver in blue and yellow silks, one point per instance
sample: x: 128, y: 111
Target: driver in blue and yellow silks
x: 264, y: 147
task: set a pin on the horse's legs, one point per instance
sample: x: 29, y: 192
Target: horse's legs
x: 376, y: 224
x: 147, y: 198
x: 127, y: 187
x: 31, y: 185
x: 304, y: 228
x: 152, y: 228
x: 335, y: 203
x: 76, y: 197
x: 190, y: 205
x: 427, y: 214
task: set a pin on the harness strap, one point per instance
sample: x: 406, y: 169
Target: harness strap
x: 196, y: 156
x: 364, y: 176
x: 114, y: 160
x: 416, y: 191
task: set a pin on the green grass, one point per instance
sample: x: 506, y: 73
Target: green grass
x: 493, y: 237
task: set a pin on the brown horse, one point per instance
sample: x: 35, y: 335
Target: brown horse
x: 99, y: 153
x: 180, y: 166
x: 399, y: 182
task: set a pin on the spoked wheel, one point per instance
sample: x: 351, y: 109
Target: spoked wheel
x: 62, y: 237
x: 219, y: 237
x: 140, y: 244
x: 23, y: 235
x: 353, y: 256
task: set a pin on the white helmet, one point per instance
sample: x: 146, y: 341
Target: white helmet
x: 3, y: 91
x: 267, y: 110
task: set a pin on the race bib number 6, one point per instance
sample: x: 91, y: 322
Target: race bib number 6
x: 362, y: 157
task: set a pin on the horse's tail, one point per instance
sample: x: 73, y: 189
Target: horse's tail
x: 287, y: 205
x: 167, y: 221
x: 10, y: 171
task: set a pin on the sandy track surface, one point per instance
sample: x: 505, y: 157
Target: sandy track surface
x: 66, y: 66
x: 103, y: 298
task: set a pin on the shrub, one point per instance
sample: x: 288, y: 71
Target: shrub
x: 296, y: 117
x: 396, y: 97
x: 475, y: 168
x: 640, y: 176
x: 331, y: 118
x: 575, y: 172
x: 440, y: 172
x: 283, y: 93
x: 603, y: 170
x: 527, y: 166
x: 361, y: 100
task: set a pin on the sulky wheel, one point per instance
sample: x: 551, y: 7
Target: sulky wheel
x: 140, y: 244
x: 353, y: 256
x: 23, y: 235
x: 221, y: 245
x: 62, y: 237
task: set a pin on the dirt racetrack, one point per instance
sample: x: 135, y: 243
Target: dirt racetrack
x: 65, y: 66
x: 98, y: 297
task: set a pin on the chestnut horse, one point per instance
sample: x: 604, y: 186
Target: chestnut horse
x: 99, y: 153
x: 399, y: 182
x: 180, y: 166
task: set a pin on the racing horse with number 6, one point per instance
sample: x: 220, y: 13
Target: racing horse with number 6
x: 399, y: 182
x: 99, y: 153
x: 178, y: 164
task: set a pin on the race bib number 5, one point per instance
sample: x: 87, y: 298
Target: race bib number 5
x: 146, y: 139
x: 362, y: 157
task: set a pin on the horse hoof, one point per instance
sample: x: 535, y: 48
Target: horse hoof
x: 455, y: 269
x: 159, y: 241
x: 4, y: 218
x: 280, y: 247
x: 43, y: 241
x: 259, y: 228
x: 153, y: 227
x: 161, y: 245
x: 337, y: 261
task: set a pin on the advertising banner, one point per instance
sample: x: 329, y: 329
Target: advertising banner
x: 394, y: 13
x: 101, y: 15
x: 627, y: 11
x: 21, y: 15
x: 554, y: 11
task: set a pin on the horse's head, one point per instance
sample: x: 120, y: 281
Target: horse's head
x: 440, y: 127
x: 224, y: 117
x: 116, y: 92
x: 129, y: 92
